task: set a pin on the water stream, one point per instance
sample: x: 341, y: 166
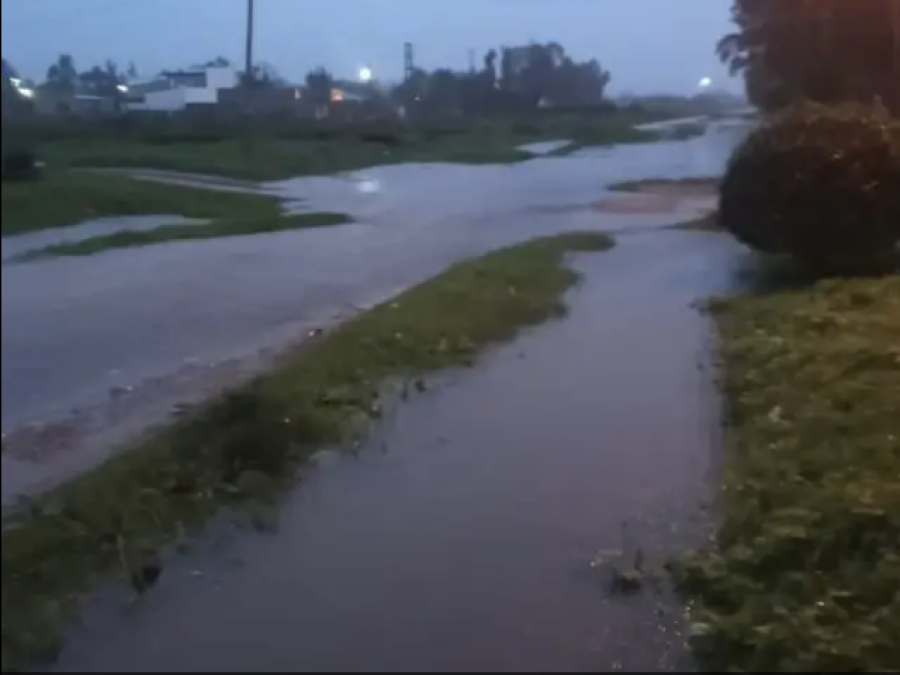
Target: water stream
x: 96, y: 348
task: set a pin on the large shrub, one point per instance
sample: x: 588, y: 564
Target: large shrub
x: 821, y: 184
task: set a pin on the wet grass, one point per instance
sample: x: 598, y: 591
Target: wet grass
x: 667, y: 184
x: 68, y: 197
x: 804, y: 575
x: 246, y: 445
x: 231, y: 227
x: 274, y: 158
x: 708, y: 222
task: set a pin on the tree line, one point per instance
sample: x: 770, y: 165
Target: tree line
x: 523, y: 76
x: 821, y: 50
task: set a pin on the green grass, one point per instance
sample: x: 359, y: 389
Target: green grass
x: 170, y: 233
x: 804, y: 575
x: 68, y: 197
x: 273, y: 159
x: 641, y: 185
x: 246, y: 444
x: 706, y: 223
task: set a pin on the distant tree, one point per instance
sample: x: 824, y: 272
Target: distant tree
x: 319, y: 83
x: 824, y: 50
x: 412, y: 90
x: 11, y: 97
x: 105, y: 80
x: 264, y: 76
x: 515, y: 77
x: 62, y: 76
x: 218, y: 62
x: 9, y: 72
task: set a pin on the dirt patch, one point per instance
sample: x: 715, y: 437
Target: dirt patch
x: 657, y: 195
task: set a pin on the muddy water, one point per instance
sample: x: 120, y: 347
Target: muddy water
x: 79, y: 335
x: 460, y: 538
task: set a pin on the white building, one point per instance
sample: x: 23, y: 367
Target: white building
x: 174, y: 91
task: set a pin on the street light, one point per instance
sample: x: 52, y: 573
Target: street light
x: 365, y: 74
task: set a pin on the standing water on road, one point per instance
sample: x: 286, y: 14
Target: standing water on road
x: 461, y: 536
x: 102, y: 346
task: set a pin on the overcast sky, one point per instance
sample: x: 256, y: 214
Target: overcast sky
x: 649, y: 45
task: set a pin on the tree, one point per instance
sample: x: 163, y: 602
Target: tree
x: 13, y: 101
x: 263, y: 76
x: 106, y: 81
x: 319, y: 84
x: 9, y: 90
x: 62, y: 76
x: 525, y: 76
x: 824, y: 50
x: 218, y: 62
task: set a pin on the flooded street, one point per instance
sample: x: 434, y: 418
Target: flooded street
x: 100, y: 347
x: 461, y: 536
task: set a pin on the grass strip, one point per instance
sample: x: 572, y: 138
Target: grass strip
x: 666, y: 184
x: 170, y: 233
x: 804, y: 575
x: 69, y: 197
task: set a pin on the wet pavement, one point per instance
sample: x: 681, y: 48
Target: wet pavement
x: 460, y: 538
x: 82, y: 334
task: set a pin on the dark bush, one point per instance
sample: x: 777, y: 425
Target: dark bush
x: 821, y: 184
x: 20, y: 165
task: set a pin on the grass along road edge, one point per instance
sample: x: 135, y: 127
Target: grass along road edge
x: 244, y: 446
x: 69, y: 197
x: 188, y: 232
x: 804, y: 574
x: 273, y: 158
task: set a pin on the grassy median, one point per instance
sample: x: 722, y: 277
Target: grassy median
x: 229, y: 227
x: 69, y: 197
x: 805, y: 572
x: 247, y: 444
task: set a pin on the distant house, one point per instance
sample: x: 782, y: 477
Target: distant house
x: 173, y: 91
x: 348, y: 90
x: 279, y: 98
x: 48, y: 100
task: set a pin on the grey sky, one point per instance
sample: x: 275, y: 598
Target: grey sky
x: 649, y: 45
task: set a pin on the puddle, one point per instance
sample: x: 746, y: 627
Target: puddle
x: 460, y: 538
x: 75, y: 328
x: 543, y: 147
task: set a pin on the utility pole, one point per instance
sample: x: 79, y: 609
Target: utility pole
x: 248, y: 47
x: 247, y: 84
x: 408, y: 60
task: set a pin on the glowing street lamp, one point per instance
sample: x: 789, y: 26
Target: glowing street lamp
x: 705, y: 83
x: 365, y: 74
